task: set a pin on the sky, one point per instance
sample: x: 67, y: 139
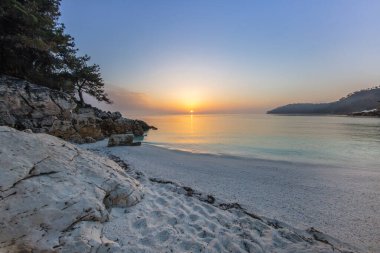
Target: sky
x: 224, y: 56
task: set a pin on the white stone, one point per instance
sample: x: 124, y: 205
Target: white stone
x: 55, y: 196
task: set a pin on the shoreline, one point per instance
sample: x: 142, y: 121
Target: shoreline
x: 321, y: 165
x: 291, y: 192
x: 56, y: 196
x: 288, y: 231
x: 102, y: 143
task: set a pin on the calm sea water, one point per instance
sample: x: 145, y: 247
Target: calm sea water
x: 312, y: 139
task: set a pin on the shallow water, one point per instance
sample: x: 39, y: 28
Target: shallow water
x: 334, y: 140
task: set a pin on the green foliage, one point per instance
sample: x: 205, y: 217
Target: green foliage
x: 35, y: 47
x: 87, y: 79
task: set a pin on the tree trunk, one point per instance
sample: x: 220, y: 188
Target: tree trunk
x: 80, y: 97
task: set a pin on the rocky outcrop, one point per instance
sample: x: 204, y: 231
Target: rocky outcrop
x: 55, y: 197
x: 28, y: 106
x: 24, y: 105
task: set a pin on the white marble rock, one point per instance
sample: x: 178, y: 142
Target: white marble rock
x: 55, y: 196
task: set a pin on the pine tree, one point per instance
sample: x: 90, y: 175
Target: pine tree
x: 87, y: 79
x: 35, y: 47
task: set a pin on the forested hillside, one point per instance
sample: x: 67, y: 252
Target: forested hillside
x: 354, y: 102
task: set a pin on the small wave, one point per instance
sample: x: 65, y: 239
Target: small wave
x: 242, y: 156
x: 213, y: 154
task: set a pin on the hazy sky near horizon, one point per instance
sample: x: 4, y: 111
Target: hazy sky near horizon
x: 227, y: 56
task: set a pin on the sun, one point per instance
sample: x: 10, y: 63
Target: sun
x: 191, y: 111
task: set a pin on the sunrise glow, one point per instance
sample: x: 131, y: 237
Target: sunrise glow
x: 214, y: 63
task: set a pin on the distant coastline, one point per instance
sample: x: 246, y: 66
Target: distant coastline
x: 359, y: 103
x: 362, y: 114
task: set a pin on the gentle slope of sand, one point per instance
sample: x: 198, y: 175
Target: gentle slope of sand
x: 341, y: 202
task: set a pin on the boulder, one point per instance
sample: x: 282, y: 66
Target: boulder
x: 120, y: 140
x: 56, y: 197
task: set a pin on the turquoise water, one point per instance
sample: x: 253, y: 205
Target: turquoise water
x: 347, y: 141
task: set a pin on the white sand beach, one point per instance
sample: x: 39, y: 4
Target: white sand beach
x: 56, y: 197
x: 336, y: 201
x: 171, y: 218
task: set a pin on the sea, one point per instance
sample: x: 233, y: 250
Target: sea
x: 332, y: 140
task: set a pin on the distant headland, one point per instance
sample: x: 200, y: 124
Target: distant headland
x: 360, y: 103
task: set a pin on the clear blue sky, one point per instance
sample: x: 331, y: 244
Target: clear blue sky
x: 222, y: 56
